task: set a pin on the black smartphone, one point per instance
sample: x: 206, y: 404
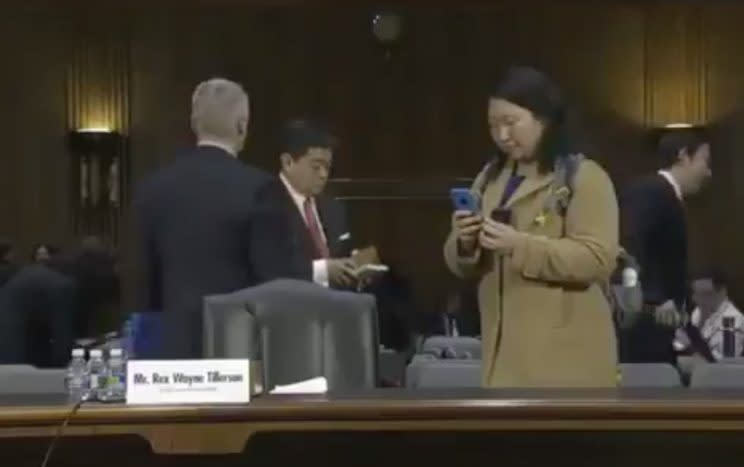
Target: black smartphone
x: 501, y: 215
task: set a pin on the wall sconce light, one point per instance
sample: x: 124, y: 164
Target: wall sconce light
x: 98, y: 176
x: 387, y: 27
x: 678, y: 126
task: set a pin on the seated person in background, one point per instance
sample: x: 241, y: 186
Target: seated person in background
x: 713, y: 314
x: 37, y: 314
x: 396, y: 308
x: 318, y: 223
x: 460, y: 315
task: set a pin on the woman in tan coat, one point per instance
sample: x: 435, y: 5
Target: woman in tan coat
x: 543, y: 261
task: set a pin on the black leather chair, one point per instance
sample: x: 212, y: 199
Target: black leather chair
x: 299, y: 331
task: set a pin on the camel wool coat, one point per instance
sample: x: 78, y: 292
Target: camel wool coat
x: 553, y: 327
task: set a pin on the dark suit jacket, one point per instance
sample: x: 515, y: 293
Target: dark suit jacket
x: 7, y: 270
x: 332, y: 216
x: 205, y: 229
x: 654, y: 230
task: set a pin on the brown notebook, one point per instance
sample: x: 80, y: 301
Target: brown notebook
x: 365, y: 256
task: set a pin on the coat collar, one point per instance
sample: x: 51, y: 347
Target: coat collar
x: 533, y: 180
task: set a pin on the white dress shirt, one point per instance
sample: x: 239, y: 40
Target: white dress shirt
x: 320, y: 266
x: 670, y: 178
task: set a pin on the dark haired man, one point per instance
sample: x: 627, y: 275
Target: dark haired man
x: 654, y: 230
x: 318, y: 222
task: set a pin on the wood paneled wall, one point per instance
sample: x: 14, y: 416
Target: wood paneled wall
x: 409, y: 124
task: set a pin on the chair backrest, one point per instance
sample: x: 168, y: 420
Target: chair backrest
x: 463, y: 347
x: 649, y: 375
x: 299, y: 331
x: 422, y: 357
x: 443, y: 374
x: 718, y: 376
x: 25, y: 379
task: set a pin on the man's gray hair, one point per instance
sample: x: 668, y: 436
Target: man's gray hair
x: 217, y: 106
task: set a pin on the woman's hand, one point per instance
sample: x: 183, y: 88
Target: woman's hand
x: 466, y: 226
x: 498, y: 237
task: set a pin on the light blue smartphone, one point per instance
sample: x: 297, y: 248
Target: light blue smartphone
x: 463, y: 200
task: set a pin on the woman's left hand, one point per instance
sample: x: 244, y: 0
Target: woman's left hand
x: 499, y: 237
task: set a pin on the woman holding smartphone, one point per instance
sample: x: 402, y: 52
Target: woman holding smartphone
x: 543, y: 244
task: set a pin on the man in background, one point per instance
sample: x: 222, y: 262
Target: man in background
x: 654, y: 231
x: 7, y: 261
x: 199, y: 218
x: 320, y: 233
x: 38, y: 312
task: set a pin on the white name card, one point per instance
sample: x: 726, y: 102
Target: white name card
x: 151, y: 382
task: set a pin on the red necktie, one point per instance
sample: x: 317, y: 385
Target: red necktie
x: 313, y: 226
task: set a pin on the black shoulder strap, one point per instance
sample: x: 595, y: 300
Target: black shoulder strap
x: 562, y: 187
x: 481, y: 180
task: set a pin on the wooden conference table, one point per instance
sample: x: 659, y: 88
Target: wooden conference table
x: 389, y: 427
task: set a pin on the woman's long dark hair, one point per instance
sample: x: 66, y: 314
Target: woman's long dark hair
x: 533, y: 90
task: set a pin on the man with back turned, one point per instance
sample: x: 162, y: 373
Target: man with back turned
x: 201, y: 225
x: 654, y: 230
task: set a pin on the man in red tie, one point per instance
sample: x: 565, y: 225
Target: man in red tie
x: 318, y: 222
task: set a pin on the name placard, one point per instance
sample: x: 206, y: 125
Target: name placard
x: 151, y: 382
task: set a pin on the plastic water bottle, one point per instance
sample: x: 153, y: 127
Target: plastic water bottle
x: 127, y: 337
x: 96, y: 375
x: 729, y: 340
x: 77, y: 377
x: 116, y: 377
x: 630, y: 277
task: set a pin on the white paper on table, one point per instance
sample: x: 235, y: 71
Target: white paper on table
x: 317, y: 385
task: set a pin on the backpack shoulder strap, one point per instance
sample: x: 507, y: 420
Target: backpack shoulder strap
x: 481, y: 180
x: 564, y: 177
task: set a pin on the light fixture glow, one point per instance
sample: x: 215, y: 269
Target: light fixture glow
x: 95, y: 130
x: 677, y: 126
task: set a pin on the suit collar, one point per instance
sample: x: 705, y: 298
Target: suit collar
x: 208, y: 143
x: 666, y: 175
x: 297, y: 197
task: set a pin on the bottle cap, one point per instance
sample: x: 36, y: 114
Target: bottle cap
x: 78, y: 353
x: 630, y: 277
x: 115, y: 352
x: 96, y: 353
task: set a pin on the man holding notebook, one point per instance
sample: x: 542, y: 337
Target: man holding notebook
x: 318, y: 223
